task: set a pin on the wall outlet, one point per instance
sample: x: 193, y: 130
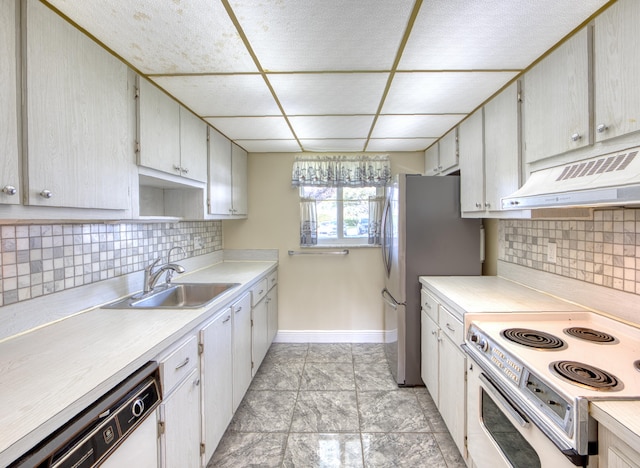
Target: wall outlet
x: 198, y: 243
x: 552, y: 250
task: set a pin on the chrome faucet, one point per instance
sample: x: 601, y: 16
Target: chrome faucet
x: 171, y: 272
x: 151, y: 277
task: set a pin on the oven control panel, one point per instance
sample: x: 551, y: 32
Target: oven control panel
x: 507, y: 365
x: 550, y: 402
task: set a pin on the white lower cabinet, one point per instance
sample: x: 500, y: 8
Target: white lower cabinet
x: 613, y: 452
x: 216, y: 368
x: 241, y: 348
x: 444, y: 366
x: 179, y: 419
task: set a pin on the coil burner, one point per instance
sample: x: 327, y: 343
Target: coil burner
x: 586, y: 376
x: 592, y: 335
x: 534, y: 339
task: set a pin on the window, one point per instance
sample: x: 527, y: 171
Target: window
x: 342, y: 213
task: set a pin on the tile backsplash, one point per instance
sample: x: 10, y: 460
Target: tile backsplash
x: 601, y: 251
x: 40, y: 259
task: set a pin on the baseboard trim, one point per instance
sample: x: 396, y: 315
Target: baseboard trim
x: 329, y: 336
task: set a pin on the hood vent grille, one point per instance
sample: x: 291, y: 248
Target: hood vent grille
x: 605, y: 180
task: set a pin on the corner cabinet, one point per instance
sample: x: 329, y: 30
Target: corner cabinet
x: 171, y: 139
x: 556, y: 101
x: 10, y: 189
x: 616, y: 70
x: 442, y: 157
x: 444, y: 365
x: 79, y: 144
x: 227, y: 177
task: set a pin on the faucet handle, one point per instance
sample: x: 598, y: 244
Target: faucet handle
x: 152, y: 264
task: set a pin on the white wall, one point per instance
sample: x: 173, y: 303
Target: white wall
x: 318, y: 293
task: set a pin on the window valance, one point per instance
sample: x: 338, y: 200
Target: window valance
x: 341, y: 171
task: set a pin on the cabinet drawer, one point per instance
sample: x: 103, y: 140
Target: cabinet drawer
x: 429, y: 305
x: 176, y: 366
x: 272, y: 279
x: 451, y: 326
x: 259, y: 291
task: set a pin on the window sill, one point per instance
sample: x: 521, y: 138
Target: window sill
x: 340, y: 246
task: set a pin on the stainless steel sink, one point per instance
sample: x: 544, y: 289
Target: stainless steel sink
x: 176, y: 296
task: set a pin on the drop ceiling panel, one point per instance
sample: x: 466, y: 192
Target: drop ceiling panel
x: 446, y: 92
x: 252, y: 128
x: 294, y: 35
x: 414, y: 126
x: 329, y: 93
x: 496, y: 34
x: 164, y: 37
x: 222, y: 95
x: 333, y: 145
x: 269, y: 146
x: 342, y: 126
x: 400, y: 144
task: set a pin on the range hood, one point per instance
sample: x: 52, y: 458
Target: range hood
x: 610, y: 179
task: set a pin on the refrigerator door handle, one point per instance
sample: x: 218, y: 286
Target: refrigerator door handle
x: 386, y: 252
x: 388, y: 298
x: 482, y: 243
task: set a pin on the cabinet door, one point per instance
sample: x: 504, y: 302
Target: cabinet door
x: 260, y: 344
x: 79, y: 145
x: 241, y: 348
x: 272, y: 321
x: 452, y: 402
x: 193, y: 146
x: 448, y: 152
x: 502, y: 146
x: 471, y: 145
x: 616, y: 69
x: 429, y: 350
x: 9, y: 157
x: 180, y: 413
x: 217, y: 375
x: 219, y: 174
x: 158, y: 129
x: 556, y: 101
x: 431, y: 160
x: 239, y: 180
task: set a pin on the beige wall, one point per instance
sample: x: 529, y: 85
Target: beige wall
x: 315, y: 292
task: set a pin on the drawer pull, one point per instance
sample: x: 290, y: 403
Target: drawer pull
x: 260, y: 292
x: 427, y: 305
x: 227, y: 318
x: 238, y: 309
x: 184, y: 363
x: 450, y: 327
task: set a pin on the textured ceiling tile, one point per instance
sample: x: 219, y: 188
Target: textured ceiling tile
x: 295, y: 35
x: 222, y: 95
x: 447, y: 92
x: 329, y: 93
x: 164, y: 37
x: 342, y: 126
x: 333, y: 145
x: 495, y: 34
x: 269, y: 146
x: 252, y: 128
x: 400, y: 144
x: 414, y: 126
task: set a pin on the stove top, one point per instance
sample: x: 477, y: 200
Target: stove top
x: 581, y: 354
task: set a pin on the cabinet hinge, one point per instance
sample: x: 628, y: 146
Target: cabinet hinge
x: 160, y: 427
x: 209, y: 202
x: 252, y: 322
x: 202, y: 449
x: 200, y: 348
x: 137, y: 146
x: 137, y: 93
x: 252, y: 364
x: 519, y: 96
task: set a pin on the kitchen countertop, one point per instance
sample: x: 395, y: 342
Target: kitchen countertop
x: 51, y: 373
x: 621, y: 417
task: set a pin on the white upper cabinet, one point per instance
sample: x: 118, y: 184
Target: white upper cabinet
x: 442, y: 157
x: 171, y: 139
x: 431, y: 160
x: 472, y: 167
x: 9, y: 157
x: 616, y: 70
x: 79, y: 147
x: 227, y: 177
x: 556, y: 101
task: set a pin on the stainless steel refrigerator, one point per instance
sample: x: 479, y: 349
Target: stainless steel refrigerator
x: 422, y: 234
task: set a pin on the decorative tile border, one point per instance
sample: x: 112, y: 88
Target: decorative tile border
x: 602, y: 251
x: 41, y: 259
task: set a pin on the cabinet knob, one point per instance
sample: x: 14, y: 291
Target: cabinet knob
x: 46, y: 194
x: 478, y: 205
x: 9, y: 190
x: 487, y: 205
x: 177, y: 168
x: 576, y: 136
x: 185, y: 170
x: 602, y: 128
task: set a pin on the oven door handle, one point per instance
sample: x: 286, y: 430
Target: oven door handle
x: 506, y: 404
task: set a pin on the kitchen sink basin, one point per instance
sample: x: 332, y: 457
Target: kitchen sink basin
x: 175, y: 296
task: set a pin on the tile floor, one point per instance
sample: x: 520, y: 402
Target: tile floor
x: 333, y: 405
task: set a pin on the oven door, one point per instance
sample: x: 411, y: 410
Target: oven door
x: 501, y: 436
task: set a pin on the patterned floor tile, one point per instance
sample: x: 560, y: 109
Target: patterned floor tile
x: 328, y: 376
x: 330, y: 352
x: 326, y: 411
x: 392, y: 450
x: 237, y: 449
x: 264, y: 411
x: 391, y: 411
x: 323, y: 451
x: 278, y: 375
